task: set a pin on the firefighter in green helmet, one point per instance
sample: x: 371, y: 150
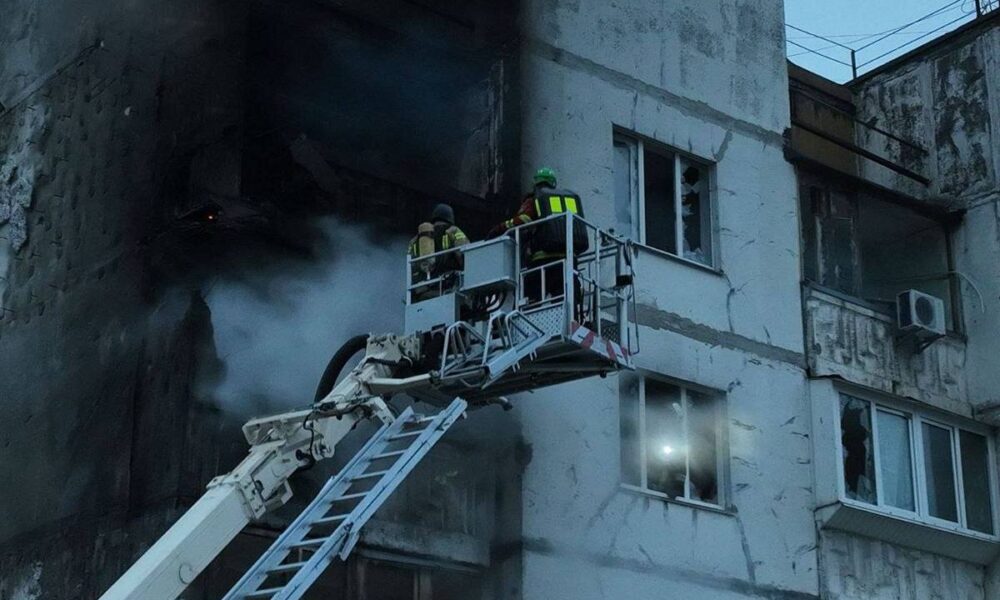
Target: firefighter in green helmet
x: 545, y: 243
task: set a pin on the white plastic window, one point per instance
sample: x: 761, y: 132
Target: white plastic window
x: 916, y: 465
x: 662, y: 199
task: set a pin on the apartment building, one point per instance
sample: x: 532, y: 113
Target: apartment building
x: 781, y: 438
x: 898, y: 191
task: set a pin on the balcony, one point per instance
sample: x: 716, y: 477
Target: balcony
x: 849, y: 339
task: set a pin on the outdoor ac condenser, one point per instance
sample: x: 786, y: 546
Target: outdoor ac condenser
x: 920, y: 314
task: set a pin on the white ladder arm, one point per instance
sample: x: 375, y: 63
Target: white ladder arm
x: 280, y: 445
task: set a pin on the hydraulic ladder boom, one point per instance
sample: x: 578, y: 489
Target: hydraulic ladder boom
x: 493, y: 327
x: 280, y: 445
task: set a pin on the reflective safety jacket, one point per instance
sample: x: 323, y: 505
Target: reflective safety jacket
x: 548, y: 240
x: 445, y: 237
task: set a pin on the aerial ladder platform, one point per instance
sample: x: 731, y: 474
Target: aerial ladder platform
x: 482, y: 321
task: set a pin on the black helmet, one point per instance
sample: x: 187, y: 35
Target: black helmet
x: 443, y: 212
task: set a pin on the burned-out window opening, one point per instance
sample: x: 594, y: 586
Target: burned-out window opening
x: 918, y: 464
x: 860, y: 245
x: 672, y: 440
x: 391, y: 580
x: 663, y: 198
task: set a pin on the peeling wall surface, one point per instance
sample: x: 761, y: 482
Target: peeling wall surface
x: 858, y: 567
x: 946, y: 99
x: 860, y: 345
x: 708, y: 79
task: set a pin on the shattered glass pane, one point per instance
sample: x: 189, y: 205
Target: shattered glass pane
x: 666, y: 450
x: 856, y: 440
x: 941, y: 502
x: 703, y: 421
x: 695, y: 212
x: 976, y: 482
x: 895, y: 464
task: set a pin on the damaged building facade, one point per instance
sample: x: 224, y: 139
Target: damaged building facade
x: 780, y: 438
x: 898, y: 191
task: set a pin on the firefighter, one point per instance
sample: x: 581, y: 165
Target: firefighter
x: 545, y: 244
x: 437, y: 234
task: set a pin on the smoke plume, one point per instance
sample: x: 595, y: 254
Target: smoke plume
x: 277, y: 327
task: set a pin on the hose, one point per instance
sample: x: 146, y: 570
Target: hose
x: 337, y: 363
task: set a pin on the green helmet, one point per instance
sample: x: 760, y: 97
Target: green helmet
x: 545, y: 176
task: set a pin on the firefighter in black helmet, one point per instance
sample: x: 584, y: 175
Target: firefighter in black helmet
x: 437, y: 234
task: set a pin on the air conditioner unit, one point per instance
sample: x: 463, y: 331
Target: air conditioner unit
x: 920, y: 314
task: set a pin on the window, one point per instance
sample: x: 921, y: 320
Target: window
x: 671, y: 440
x: 911, y: 462
x: 662, y: 198
x: 872, y: 249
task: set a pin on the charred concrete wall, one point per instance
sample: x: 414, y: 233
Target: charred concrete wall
x: 147, y: 151
x: 98, y: 361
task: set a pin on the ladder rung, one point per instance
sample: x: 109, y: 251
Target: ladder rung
x: 389, y: 454
x: 332, y: 519
x: 350, y: 496
x: 263, y: 593
x: 368, y: 475
x: 287, y: 567
x: 406, y: 434
x: 309, y: 542
x: 423, y: 420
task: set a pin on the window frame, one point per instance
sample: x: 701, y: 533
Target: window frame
x: 637, y: 193
x: 721, y: 444
x: 916, y: 417
x: 858, y: 193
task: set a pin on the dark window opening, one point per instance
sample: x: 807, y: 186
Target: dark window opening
x: 976, y: 482
x: 661, y: 230
x: 859, y: 245
x: 940, y: 474
x: 858, y: 457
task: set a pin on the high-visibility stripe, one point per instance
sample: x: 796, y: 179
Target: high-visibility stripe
x: 446, y: 242
x: 538, y: 208
x: 570, y: 204
x: 555, y: 204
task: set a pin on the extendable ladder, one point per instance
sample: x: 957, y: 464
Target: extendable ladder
x: 330, y: 526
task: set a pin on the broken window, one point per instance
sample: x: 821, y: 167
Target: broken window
x: 856, y: 443
x: 882, y: 457
x: 662, y: 199
x: 860, y: 245
x: 671, y: 439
